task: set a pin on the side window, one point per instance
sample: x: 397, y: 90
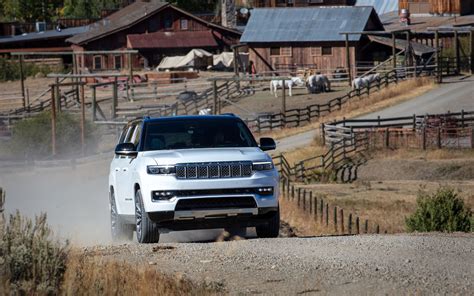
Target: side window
x: 123, y: 135
x: 136, y: 135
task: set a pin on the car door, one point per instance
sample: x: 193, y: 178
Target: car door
x: 121, y: 169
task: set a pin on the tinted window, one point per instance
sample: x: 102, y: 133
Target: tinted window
x: 187, y: 134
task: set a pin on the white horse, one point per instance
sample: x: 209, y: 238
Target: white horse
x: 365, y: 81
x: 275, y: 84
x: 318, y: 82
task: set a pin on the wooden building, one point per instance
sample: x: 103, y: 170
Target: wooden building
x: 308, y: 37
x: 438, y: 7
x: 297, y: 3
x: 155, y: 29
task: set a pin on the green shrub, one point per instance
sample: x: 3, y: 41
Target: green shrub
x: 442, y: 211
x: 10, y: 69
x: 31, y: 261
x: 31, y: 138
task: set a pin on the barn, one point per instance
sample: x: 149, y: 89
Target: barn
x: 282, y: 38
x: 438, y: 7
x: 156, y: 29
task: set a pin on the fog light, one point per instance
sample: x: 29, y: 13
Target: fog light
x: 265, y: 190
x: 163, y: 195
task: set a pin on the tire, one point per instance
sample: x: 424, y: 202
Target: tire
x: 119, y: 230
x: 271, y: 229
x: 147, y: 230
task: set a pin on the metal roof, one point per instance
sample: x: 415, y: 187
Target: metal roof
x: 309, y: 24
x: 50, y: 34
x: 381, y: 6
x: 418, y: 48
x: 180, y: 39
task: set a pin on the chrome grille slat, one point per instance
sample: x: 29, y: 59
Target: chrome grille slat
x: 214, y: 170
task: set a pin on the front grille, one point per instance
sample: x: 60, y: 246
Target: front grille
x: 214, y: 170
x: 242, y: 202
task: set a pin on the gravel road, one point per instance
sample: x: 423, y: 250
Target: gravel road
x: 339, y: 265
x: 454, y: 95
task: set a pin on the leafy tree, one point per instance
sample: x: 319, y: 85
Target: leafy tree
x: 196, y: 5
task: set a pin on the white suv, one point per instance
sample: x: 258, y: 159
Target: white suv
x: 191, y: 172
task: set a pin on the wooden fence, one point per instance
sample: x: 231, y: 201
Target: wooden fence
x: 447, y: 130
x: 332, y: 217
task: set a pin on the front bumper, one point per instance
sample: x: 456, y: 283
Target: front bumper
x: 211, y: 219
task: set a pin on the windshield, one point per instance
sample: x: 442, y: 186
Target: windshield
x: 187, y: 134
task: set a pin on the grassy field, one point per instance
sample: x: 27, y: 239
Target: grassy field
x: 388, y: 187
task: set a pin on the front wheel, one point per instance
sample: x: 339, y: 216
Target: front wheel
x: 271, y: 228
x: 147, y: 230
x: 120, y: 231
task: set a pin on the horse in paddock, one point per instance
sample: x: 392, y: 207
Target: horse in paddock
x: 318, y: 83
x: 365, y: 81
x: 289, y: 84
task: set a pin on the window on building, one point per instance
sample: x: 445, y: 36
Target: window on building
x: 326, y: 50
x: 118, y: 62
x: 183, y: 24
x: 168, y: 22
x: 274, y: 51
x: 286, y: 51
x: 316, y: 51
x: 97, y: 62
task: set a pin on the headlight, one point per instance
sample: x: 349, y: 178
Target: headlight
x: 160, y: 170
x: 262, y: 166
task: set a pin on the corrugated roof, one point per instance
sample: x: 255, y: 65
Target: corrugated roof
x: 50, y: 34
x: 418, y: 48
x: 182, y: 39
x: 119, y: 20
x: 309, y: 24
x: 381, y: 6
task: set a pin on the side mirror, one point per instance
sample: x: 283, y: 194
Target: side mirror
x: 126, y: 149
x: 267, y: 144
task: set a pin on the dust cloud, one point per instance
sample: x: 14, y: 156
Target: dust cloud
x: 76, y: 202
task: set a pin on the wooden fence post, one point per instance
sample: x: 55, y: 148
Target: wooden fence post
x: 357, y: 225
x: 414, y: 121
x: 366, y: 226
x: 438, y: 138
x: 299, y: 196
x: 423, y: 140
x: 335, y: 219
x: 349, y: 224
x: 327, y: 214
x: 377, y: 229
x: 456, y: 52
x: 321, y: 209
x: 94, y: 104
x: 83, y: 120
x: 387, y: 138
x: 304, y: 200
x: 214, y: 87
x: 114, y: 98
x: 471, y: 51
x: 292, y: 192
x: 472, y: 138
x: 341, y: 214
x: 53, y: 121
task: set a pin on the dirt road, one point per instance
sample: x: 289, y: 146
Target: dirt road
x: 369, y: 265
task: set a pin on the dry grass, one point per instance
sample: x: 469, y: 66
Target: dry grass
x: 304, y: 223
x: 385, y: 203
x: 87, y: 274
x: 295, y: 156
x: 393, y: 95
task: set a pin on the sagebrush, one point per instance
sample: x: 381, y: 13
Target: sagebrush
x: 442, y: 211
x: 32, y: 262
x: 10, y: 69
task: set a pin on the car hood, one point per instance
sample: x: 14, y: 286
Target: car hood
x: 206, y: 155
